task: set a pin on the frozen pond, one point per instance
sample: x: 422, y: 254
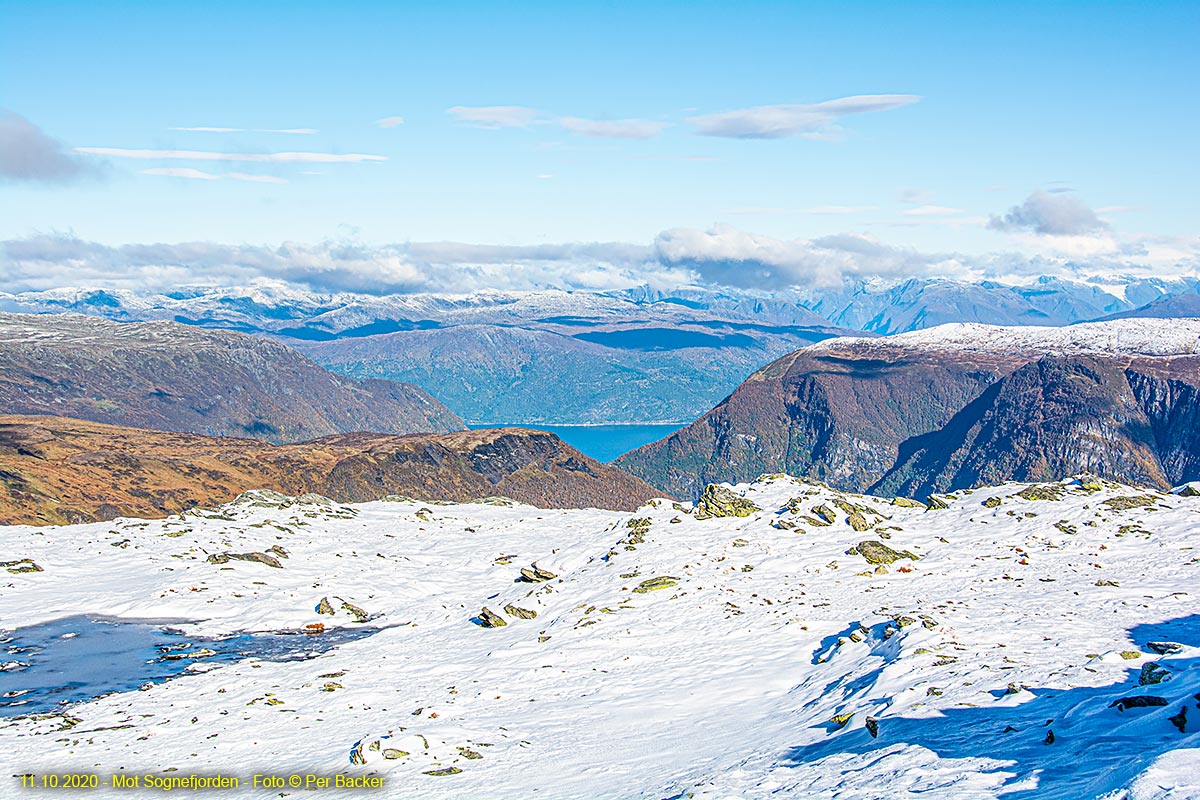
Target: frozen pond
x: 44, y: 667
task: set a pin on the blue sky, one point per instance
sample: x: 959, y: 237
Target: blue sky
x: 1082, y: 108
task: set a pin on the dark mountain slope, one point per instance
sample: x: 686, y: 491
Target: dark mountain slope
x: 174, y: 377
x: 1053, y: 417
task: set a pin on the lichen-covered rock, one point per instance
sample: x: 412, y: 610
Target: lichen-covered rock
x: 654, y: 584
x: 325, y: 607
x: 879, y: 553
x: 1152, y: 673
x: 261, y: 558
x: 21, y: 566
x: 359, y: 614
x: 520, y: 613
x: 535, y: 574
x: 907, y: 502
x: 858, y: 522
x: 1041, y: 491
x: 392, y: 753
x: 1130, y: 501
x: 443, y: 771
x: 490, y: 619
x: 992, y: 502
x: 825, y: 512
x: 935, y: 503
x: 1190, y: 490
x: 718, y: 501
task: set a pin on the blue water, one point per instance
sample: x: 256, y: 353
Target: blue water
x: 601, y: 442
x: 46, y: 667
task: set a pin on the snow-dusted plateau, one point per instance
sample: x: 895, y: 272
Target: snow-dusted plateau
x: 777, y: 639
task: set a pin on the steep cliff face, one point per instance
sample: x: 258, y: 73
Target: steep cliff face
x: 953, y: 407
x: 175, y: 377
x: 829, y: 416
x: 56, y: 470
x: 1053, y: 417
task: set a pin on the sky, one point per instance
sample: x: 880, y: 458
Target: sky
x: 768, y: 142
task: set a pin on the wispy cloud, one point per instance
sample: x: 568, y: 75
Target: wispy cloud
x: 492, y: 117
x: 200, y: 175
x: 834, y: 210
x: 28, y: 154
x: 204, y: 155
x: 390, y: 122
x: 1050, y: 215
x: 613, y: 128
x: 206, y: 129
x: 811, y: 121
x: 932, y: 211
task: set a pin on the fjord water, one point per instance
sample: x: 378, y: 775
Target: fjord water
x: 44, y: 667
x: 601, y: 442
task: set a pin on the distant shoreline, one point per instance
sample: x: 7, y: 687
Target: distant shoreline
x: 479, y: 425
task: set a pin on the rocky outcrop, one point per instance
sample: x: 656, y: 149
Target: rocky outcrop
x: 55, y: 470
x: 167, y: 376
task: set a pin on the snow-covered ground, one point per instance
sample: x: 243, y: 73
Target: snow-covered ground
x: 1135, y: 337
x: 759, y: 670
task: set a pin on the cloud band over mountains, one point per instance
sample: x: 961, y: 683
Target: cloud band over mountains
x: 721, y: 255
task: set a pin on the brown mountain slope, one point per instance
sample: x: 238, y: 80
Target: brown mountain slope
x: 845, y: 411
x: 56, y: 470
x: 175, y: 377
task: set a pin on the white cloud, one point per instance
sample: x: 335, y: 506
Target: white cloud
x: 205, y: 129
x: 242, y: 176
x: 492, y: 117
x: 203, y: 155
x: 811, y: 121
x: 725, y: 255
x: 195, y: 174
x: 390, y: 122
x: 932, y: 211
x: 182, y: 172
x: 614, y: 128
x: 834, y: 210
x: 1050, y: 215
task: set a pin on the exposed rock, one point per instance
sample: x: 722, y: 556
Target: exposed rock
x: 535, y: 574
x: 858, y: 522
x: 443, y: 771
x: 1164, y: 648
x: 391, y: 753
x: 654, y: 584
x: 1048, y: 491
x: 261, y: 558
x: 872, y: 726
x: 1132, y: 501
x: 325, y: 607
x: 719, y: 501
x: 907, y: 502
x: 490, y: 619
x: 826, y: 513
x: 1137, y: 701
x: 1180, y: 720
x: 879, y: 553
x: 992, y: 502
x: 359, y: 614
x: 1152, y: 673
x: 21, y: 565
x: 520, y: 613
x: 935, y: 503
